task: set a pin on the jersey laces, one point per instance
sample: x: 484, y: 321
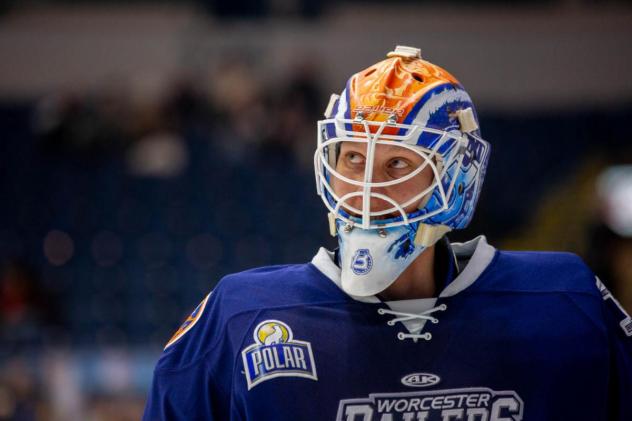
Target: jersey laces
x: 415, y: 334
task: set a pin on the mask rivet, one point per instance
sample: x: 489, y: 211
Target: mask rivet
x: 347, y: 228
x: 381, y: 232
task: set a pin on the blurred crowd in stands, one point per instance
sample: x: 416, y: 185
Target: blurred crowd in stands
x: 122, y: 211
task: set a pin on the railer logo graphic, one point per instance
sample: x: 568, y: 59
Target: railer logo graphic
x: 362, y: 262
x: 468, y: 404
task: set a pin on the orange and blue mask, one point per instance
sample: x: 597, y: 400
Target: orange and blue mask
x: 401, y: 102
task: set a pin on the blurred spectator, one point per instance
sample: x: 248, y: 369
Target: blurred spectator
x: 26, y: 309
x: 87, y: 124
x: 158, y: 155
x: 19, y: 399
x: 295, y: 108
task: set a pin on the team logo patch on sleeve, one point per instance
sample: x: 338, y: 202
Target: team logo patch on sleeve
x: 189, y: 322
x: 276, y: 353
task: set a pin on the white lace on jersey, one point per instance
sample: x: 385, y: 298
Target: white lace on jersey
x: 402, y: 317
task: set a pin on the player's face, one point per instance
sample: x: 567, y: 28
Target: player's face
x: 391, y: 162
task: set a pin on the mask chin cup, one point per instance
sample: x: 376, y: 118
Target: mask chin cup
x: 372, y: 260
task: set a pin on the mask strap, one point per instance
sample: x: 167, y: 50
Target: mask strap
x: 427, y: 235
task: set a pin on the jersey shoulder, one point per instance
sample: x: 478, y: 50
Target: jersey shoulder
x: 534, y: 271
x: 235, y: 301
x: 275, y: 286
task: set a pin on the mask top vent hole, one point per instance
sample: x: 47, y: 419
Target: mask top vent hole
x: 418, y: 77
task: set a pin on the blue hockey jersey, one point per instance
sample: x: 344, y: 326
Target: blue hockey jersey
x: 515, y: 336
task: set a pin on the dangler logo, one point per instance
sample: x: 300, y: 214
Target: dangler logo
x: 362, y: 262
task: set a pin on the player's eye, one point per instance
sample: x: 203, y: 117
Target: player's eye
x: 399, y: 164
x: 354, y: 158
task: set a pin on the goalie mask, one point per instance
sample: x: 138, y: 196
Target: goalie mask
x: 399, y: 163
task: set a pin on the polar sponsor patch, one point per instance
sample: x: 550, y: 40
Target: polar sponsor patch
x: 626, y: 322
x: 276, y: 353
x: 189, y: 322
x: 471, y: 404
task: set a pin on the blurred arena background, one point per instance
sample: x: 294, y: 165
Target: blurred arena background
x: 149, y: 148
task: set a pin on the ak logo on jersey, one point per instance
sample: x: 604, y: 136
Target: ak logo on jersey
x: 420, y: 380
x: 468, y: 404
x: 276, y: 353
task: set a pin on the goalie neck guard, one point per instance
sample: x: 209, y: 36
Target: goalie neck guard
x: 385, y: 219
